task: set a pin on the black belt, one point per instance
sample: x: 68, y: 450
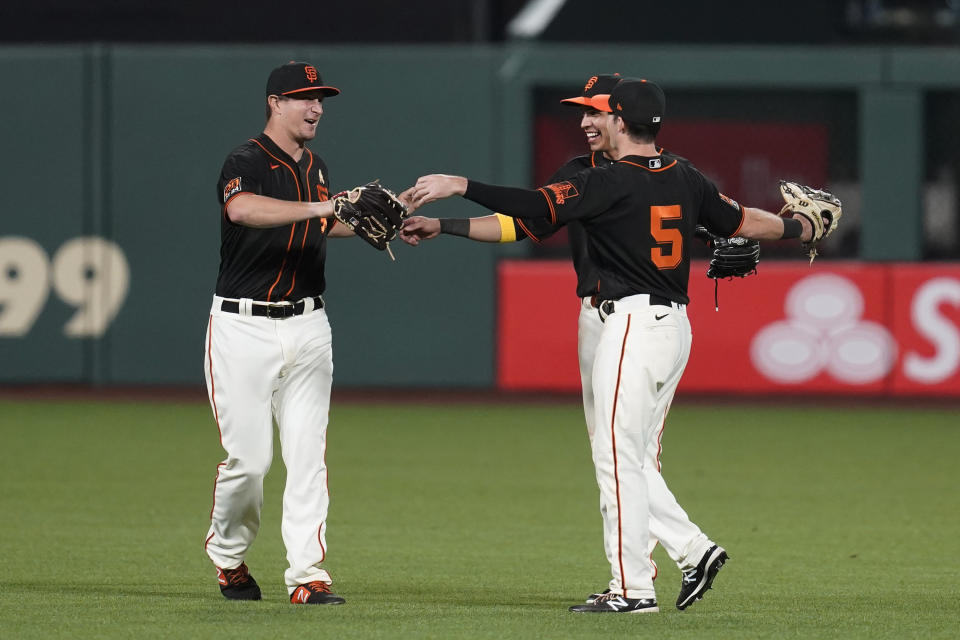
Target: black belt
x: 272, y: 310
x: 608, y: 305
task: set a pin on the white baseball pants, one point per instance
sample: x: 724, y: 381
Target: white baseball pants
x: 259, y: 371
x: 638, y: 363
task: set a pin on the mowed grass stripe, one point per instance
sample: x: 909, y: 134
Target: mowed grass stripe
x: 481, y: 521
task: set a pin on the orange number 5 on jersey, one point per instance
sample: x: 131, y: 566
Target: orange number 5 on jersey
x: 672, y: 237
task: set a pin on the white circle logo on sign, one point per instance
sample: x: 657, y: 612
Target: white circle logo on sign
x: 824, y: 330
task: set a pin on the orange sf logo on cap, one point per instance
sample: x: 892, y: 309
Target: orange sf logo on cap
x: 590, y: 83
x: 311, y: 74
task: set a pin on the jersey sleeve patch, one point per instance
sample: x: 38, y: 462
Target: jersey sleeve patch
x: 730, y: 201
x: 232, y: 188
x: 562, y: 191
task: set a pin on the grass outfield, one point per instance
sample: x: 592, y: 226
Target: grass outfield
x: 476, y: 521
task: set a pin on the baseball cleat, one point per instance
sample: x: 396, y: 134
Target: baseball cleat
x: 238, y: 584
x: 614, y: 603
x: 698, y: 579
x: 316, y: 592
x: 593, y: 596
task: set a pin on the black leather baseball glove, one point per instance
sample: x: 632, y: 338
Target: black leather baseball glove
x: 732, y: 257
x: 372, y: 211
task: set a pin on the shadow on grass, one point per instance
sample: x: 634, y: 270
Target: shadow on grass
x: 86, y: 590
x: 420, y: 598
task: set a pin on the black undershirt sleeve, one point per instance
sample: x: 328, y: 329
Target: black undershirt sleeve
x: 510, y: 201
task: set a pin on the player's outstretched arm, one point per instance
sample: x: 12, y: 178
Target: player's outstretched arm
x: 509, y: 201
x: 763, y: 225
x: 252, y: 210
x: 483, y: 229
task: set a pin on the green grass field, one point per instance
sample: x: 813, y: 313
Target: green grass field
x: 476, y: 521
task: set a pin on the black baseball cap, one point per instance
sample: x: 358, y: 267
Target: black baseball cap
x: 297, y: 77
x: 638, y: 102
x: 596, y: 92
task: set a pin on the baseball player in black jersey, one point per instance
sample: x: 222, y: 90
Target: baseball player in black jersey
x: 639, y: 214
x: 268, y: 354
x: 683, y: 540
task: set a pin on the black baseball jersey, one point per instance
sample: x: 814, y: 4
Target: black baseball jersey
x: 277, y: 263
x: 639, y: 214
x: 538, y: 229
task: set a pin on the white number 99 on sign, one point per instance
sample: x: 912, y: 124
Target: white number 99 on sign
x: 88, y: 273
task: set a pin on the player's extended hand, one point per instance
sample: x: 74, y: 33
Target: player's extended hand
x: 437, y: 186
x: 419, y: 228
x: 406, y: 197
x: 821, y: 209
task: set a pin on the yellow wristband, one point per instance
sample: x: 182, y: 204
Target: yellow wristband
x: 508, y: 230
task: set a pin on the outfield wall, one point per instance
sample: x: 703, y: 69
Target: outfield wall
x: 109, y: 226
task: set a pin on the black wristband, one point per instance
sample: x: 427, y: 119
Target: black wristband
x: 792, y: 228
x: 455, y: 226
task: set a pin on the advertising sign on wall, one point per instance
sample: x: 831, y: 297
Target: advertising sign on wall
x: 827, y: 328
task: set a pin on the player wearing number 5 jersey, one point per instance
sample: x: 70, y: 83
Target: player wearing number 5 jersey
x: 683, y: 540
x: 639, y: 214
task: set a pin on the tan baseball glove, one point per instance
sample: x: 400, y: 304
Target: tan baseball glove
x: 821, y: 208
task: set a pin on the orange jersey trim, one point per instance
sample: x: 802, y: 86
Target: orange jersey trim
x: 289, y: 168
x: 309, y: 166
x: 303, y: 244
x: 294, y: 226
x: 283, y: 264
x: 553, y: 212
x: 523, y: 227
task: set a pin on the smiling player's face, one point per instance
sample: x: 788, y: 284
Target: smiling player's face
x: 299, y: 116
x: 594, y: 124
